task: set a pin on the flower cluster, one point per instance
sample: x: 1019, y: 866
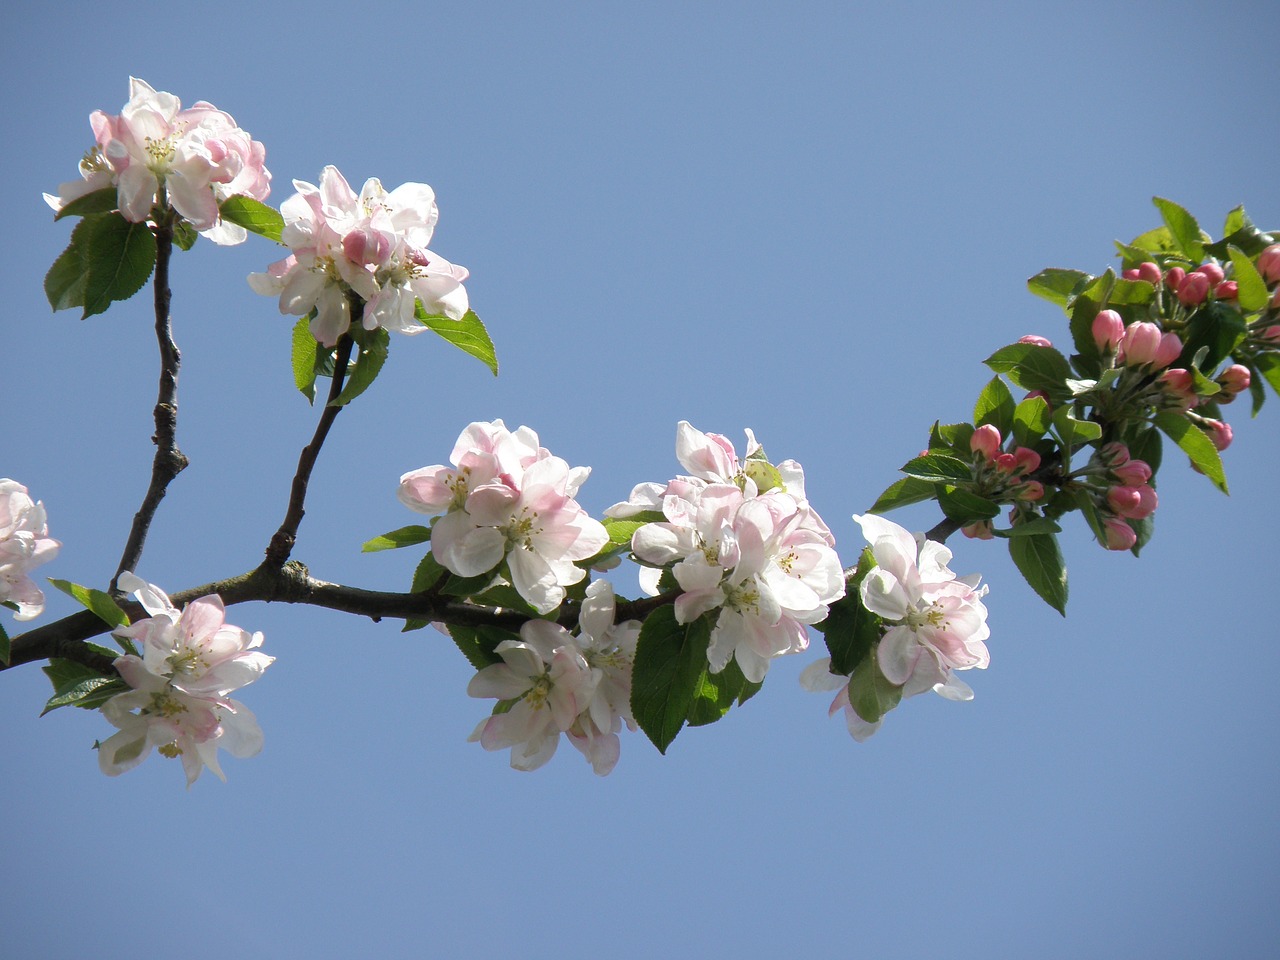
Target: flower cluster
x: 937, y: 623
x: 156, y: 152
x: 371, y: 247
x: 24, y: 543
x: 552, y: 682
x: 999, y: 475
x: 740, y: 540
x: 507, y: 501
x: 190, y: 661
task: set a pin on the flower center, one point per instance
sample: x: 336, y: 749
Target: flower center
x: 930, y: 616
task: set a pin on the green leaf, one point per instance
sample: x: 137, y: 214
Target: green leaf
x: 88, y: 694
x: 1033, y: 367
x: 304, y: 359
x: 368, y: 363
x: 73, y: 682
x: 1215, y: 327
x: 1072, y: 431
x: 1256, y: 390
x: 1030, y: 528
x: 1182, y: 227
x: 477, y: 643
x: 1130, y: 292
x: 952, y: 436
x: 184, y: 235
x: 902, y: 492
x: 1039, y: 560
x: 1252, y: 289
x: 850, y: 629
x: 65, y: 283
x: 5, y: 652
x: 1269, y: 367
x: 717, y: 692
x: 96, y: 601
x: 1239, y: 231
x: 118, y: 258
x: 1196, y: 444
x: 938, y: 468
x: 400, y: 537
x: 966, y: 507
x: 995, y: 406
x: 100, y: 201
x: 671, y: 659
x: 1031, y: 421
x: 425, y: 576
x: 1057, y: 285
x: 1157, y: 243
x: 254, y: 215
x: 1146, y: 444
x: 871, y: 694
x: 467, y: 334
x: 621, y: 529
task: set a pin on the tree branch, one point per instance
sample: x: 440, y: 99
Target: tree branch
x: 283, y: 540
x: 169, y: 460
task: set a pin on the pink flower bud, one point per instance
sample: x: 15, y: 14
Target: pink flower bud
x: 1269, y: 263
x: 1179, y: 387
x: 1108, y: 328
x: 1131, y: 275
x: 1275, y: 300
x: 1035, y: 340
x: 1220, y: 433
x: 1113, y: 454
x: 986, y: 441
x: 1006, y: 463
x: 1212, y: 271
x: 1031, y: 490
x: 1043, y: 396
x: 1120, y: 536
x: 1194, y: 289
x: 1132, y: 474
x: 366, y: 247
x: 1135, y: 503
x: 1227, y: 290
x: 1174, y: 277
x: 1169, y: 350
x: 978, y: 531
x: 1139, y: 345
x: 1026, y: 461
x: 1233, y: 380
x: 1149, y: 272
x: 1272, y: 334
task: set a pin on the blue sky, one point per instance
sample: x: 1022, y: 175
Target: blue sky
x: 814, y: 220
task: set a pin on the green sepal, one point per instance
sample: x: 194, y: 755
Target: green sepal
x: 1039, y: 560
x: 254, y: 215
x: 850, y: 629
x: 400, y: 537
x: 184, y: 235
x: 108, y: 259
x: 467, y: 334
x: 1196, y: 444
x: 100, y: 201
x: 871, y: 694
x: 367, y: 360
x: 995, y: 406
x: 1033, y: 367
x: 671, y: 659
x: 1182, y: 227
x: 101, y: 604
x: 903, y: 492
x: 938, y: 468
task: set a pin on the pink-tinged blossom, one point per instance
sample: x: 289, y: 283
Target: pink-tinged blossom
x: 550, y: 682
x: 508, y: 500
x: 936, y: 618
x: 195, y: 651
x: 24, y: 544
x: 1143, y: 344
x: 370, y: 246
x: 155, y: 150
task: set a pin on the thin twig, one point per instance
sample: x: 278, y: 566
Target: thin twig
x: 169, y: 460
x: 283, y: 540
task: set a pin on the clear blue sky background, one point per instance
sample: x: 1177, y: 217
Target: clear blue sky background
x: 811, y: 219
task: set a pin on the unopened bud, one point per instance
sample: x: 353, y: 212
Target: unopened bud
x: 1031, y: 490
x: 1120, y: 536
x: 986, y: 440
x: 1043, y: 396
x: 1149, y: 272
x: 1132, y: 474
x: 1139, y: 345
x: 1179, y: 387
x: 1269, y: 263
x: 1006, y: 463
x: 1170, y: 349
x: 1173, y: 278
x: 1227, y: 290
x: 1113, y: 454
x: 1272, y: 334
x: 1108, y: 329
x: 978, y: 531
x: 1026, y: 461
x: 1194, y: 289
x: 1212, y: 271
x: 1131, y: 275
x: 1233, y: 380
x: 1136, y: 503
x: 1035, y: 340
x: 1220, y: 433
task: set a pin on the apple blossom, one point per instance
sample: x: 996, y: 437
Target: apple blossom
x: 937, y: 619
x: 24, y: 543
x: 157, y: 152
x: 370, y: 246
